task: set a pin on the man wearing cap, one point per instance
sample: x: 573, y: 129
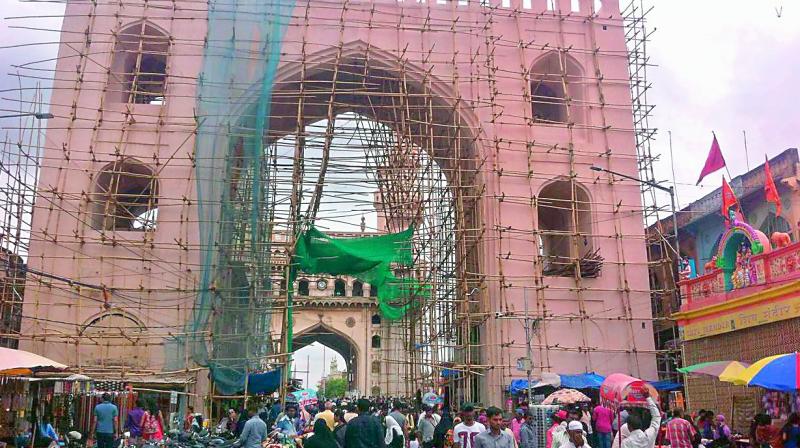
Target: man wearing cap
x: 528, y: 435
x: 575, y: 437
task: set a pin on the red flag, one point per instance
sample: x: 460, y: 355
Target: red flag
x: 714, y: 161
x: 770, y: 189
x: 728, y: 198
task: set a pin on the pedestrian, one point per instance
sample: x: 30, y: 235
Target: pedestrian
x: 517, y: 422
x: 46, y: 435
x: 364, y: 431
x: 233, y: 420
x: 494, y: 437
x: 790, y: 433
x: 394, y: 434
x: 680, y: 433
x: 327, y: 415
x: 722, y: 432
x: 603, y: 418
x: 153, y: 423
x: 575, y: 436
x: 288, y: 423
x: 427, y: 426
x: 340, y: 431
x: 586, y: 419
x: 254, y: 431
x: 482, y: 418
x: 413, y: 440
x: 106, y: 422
x: 444, y: 427
x: 133, y: 423
x: 465, y: 432
x: 557, y: 419
x: 399, y: 417
x: 528, y: 437
x: 641, y: 437
x: 188, y: 419
x: 323, y: 436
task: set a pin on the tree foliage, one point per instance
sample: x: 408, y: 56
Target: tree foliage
x: 334, y: 387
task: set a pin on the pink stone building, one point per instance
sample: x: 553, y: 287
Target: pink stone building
x: 537, y: 91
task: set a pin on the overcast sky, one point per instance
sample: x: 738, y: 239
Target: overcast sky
x: 722, y: 65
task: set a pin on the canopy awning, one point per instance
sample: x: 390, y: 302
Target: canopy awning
x: 666, y: 385
x: 578, y: 381
x: 19, y: 362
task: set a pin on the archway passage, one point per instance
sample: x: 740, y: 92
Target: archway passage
x: 333, y: 340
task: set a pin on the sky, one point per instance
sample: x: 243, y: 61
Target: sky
x: 720, y: 65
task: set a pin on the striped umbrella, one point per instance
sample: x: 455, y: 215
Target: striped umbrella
x: 779, y: 372
x: 724, y: 370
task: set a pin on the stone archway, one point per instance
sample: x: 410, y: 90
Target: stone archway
x: 336, y: 341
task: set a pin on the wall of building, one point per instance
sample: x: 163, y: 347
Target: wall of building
x: 594, y: 324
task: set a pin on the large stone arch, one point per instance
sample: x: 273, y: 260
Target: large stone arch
x: 336, y: 340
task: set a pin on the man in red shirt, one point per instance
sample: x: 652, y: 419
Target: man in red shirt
x: 603, y: 417
x: 679, y: 431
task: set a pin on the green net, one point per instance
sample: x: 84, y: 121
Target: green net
x: 371, y: 259
x: 241, y: 56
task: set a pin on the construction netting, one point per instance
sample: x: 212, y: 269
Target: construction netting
x: 241, y: 55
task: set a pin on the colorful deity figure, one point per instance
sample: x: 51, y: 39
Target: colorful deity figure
x: 738, y: 275
x: 684, y: 269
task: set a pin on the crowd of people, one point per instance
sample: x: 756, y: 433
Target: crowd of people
x: 366, y: 423
x: 393, y: 424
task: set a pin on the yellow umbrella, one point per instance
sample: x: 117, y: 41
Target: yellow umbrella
x: 744, y: 377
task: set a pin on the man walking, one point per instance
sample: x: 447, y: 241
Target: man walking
x: 134, y: 422
x: 528, y: 437
x: 603, y: 418
x: 427, y: 426
x: 399, y: 417
x: 254, y: 432
x: 364, y: 431
x: 679, y: 431
x: 465, y: 432
x: 495, y: 437
x: 106, y: 422
x: 641, y: 437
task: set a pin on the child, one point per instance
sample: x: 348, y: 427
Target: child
x: 413, y: 442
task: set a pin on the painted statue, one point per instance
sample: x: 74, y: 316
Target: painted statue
x: 780, y: 239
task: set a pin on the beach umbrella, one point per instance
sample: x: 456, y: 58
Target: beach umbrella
x: 20, y: 362
x: 779, y: 372
x: 566, y: 396
x: 724, y: 370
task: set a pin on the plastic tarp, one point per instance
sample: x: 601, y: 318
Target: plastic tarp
x: 619, y: 389
x: 666, y: 385
x: 583, y: 381
x: 371, y: 259
x: 264, y: 383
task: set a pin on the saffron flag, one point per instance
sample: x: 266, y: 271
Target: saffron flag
x: 770, y: 189
x: 714, y: 161
x: 728, y: 198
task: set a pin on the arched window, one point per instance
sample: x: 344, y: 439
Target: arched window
x: 376, y: 391
x: 565, y: 223
x: 358, y: 289
x: 376, y: 341
x: 125, y: 197
x: 376, y: 366
x: 339, y: 287
x: 373, y: 291
x: 556, y: 89
x: 302, y: 287
x: 112, y: 339
x: 139, y: 67
x: 376, y: 319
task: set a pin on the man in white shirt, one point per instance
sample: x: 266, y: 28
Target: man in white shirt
x: 640, y: 437
x: 464, y: 433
